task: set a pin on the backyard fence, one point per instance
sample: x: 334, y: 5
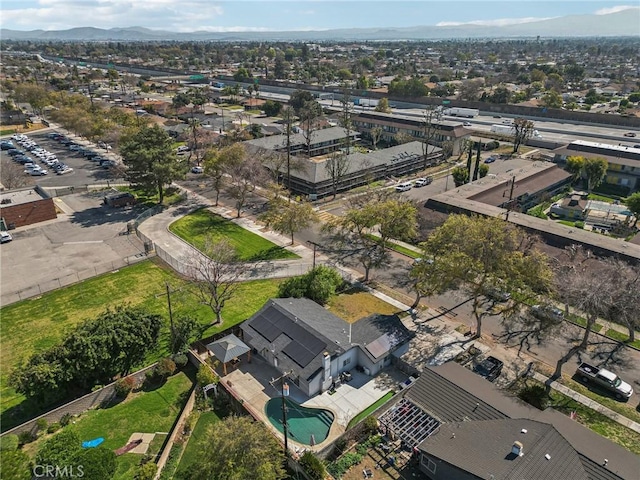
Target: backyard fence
x: 9, y: 297
x: 78, y: 406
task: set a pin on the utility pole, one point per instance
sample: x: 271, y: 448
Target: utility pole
x: 315, y: 246
x: 168, y: 294
x: 284, y: 391
x: 510, y: 202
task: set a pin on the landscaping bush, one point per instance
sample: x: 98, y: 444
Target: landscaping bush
x: 59, y: 449
x: 97, y: 463
x: 26, y: 437
x: 370, y: 425
x: 65, y: 419
x: 180, y: 359
x: 205, y: 376
x: 312, y: 466
x: 146, y: 471
x: 42, y: 424
x: 344, y: 463
x: 165, y: 368
x: 53, y: 428
x: 9, y: 442
x: 15, y: 465
x: 492, y: 145
x: 124, y: 386
x: 534, y: 395
x: 319, y: 284
x: 578, y: 224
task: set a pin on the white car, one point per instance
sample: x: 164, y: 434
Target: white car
x: 197, y: 170
x: 421, y: 182
x: 37, y: 173
x: 466, y: 124
x: 403, y: 187
x: 5, y: 237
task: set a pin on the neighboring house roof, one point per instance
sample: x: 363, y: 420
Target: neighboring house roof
x: 486, y: 422
x: 301, y: 330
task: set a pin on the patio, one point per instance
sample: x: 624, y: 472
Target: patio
x: 257, y: 382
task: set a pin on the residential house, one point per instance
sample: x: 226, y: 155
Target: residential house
x: 313, y: 346
x: 572, y: 207
x: 462, y: 427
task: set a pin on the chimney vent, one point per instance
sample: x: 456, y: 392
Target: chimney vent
x: 517, y: 448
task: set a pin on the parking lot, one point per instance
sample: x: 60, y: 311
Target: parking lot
x: 85, y: 171
x: 86, y: 240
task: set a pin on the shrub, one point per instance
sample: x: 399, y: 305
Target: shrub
x: 319, y: 284
x: 344, y: 463
x: 42, y: 424
x: 579, y: 224
x: 9, y: 442
x: 165, y: 368
x: 180, y: 359
x: 26, y: 437
x: 205, y: 376
x: 534, y: 395
x: 312, y: 466
x: 65, y: 419
x: 146, y: 471
x: 124, y: 386
x: 59, y: 449
x: 15, y: 465
x: 53, y: 428
x: 370, y: 425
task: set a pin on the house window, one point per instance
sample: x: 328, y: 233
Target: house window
x: 346, y: 362
x: 431, y: 465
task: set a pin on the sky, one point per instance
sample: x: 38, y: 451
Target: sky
x: 288, y: 15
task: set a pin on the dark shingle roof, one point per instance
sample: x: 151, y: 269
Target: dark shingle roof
x: 458, y: 444
x: 445, y: 393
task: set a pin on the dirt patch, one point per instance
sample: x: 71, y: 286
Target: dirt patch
x: 356, y: 304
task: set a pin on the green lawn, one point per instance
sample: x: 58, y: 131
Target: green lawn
x: 197, y: 226
x: 144, y: 412
x: 171, y: 196
x: 7, y: 131
x: 370, y: 409
x: 399, y: 248
x: 621, y: 337
x: 34, y: 325
x: 190, y: 452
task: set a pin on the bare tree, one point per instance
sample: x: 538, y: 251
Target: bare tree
x: 288, y: 117
x: 430, y: 117
x: 309, y: 115
x: 215, y: 274
x: 12, y: 175
x: 376, y: 134
x: 522, y: 131
x: 336, y: 167
x: 345, y: 117
x: 244, y: 177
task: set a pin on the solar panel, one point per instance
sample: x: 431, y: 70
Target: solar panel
x: 264, y: 327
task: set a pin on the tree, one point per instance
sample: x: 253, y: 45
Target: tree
x: 633, y: 202
x: 35, y: 95
x: 299, y: 98
x: 237, y: 448
x: 318, y: 284
x: 59, y: 449
x: 345, y: 117
x: 186, y: 329
x: 272, y: 108
x: 575, y: 166
x: 309, y: 114
x: 523, y: 130
x: 478, y: 254
x: 152, y: 164
x: 95, y: 463
x: 376, y: 134
x: 430, y: 117
x: 353, y: 237
x: 12, y: 175
x: 215, y: 274
x: 244, y: 176
x: 383, y: 106
x: 146, y: 471
x: 551, y: 99
x: 336, y: 166
x: 205, y: 376
x: 595, y: 169
x: 313, y: 466
x: 460, y: 176
x: 483, y: 170
x: 216, y: 162
x: 287, y: 216
x: 625, y: 301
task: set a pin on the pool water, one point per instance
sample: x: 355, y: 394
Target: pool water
x: 303, y: 422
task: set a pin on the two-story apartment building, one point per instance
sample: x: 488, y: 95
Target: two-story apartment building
x: 322, y: 142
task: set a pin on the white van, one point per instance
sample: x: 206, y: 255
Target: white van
x: 403, y: 187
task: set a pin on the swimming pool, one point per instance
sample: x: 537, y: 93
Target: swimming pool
x: 303, y: 422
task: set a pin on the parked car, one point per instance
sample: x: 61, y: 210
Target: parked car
x: 421, y: 182
x: 490, y: 160
x: 403, y: 187
x: 37, y: 172
x: 5, y: 237
x: 547, y: 312
x: 63, y: 170
x: 604, y: 378
x: 7, y: 145
x: 497, y: 295
x: 15, y: 152
x: 197, y: 170
x: 466, y: 124
x: 629, y: 134
x: 121, y: 199
x: 490, y: 368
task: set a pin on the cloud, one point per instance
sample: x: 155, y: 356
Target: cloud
x: 500, y: 22
x: 616, y: 9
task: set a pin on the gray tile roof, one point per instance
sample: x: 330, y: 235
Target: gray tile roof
x: 469, y: 405
x: 319, y: 136
x: 458, y: 444
x: 228, y: 348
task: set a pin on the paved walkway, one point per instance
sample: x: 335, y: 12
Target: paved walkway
x: 157, y: 229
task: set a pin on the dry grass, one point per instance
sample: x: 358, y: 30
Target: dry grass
x: 356, y: 304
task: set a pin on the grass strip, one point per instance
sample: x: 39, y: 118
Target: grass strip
x: 370, y: 409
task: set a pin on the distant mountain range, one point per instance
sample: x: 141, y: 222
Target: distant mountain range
x: 620, y: 24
